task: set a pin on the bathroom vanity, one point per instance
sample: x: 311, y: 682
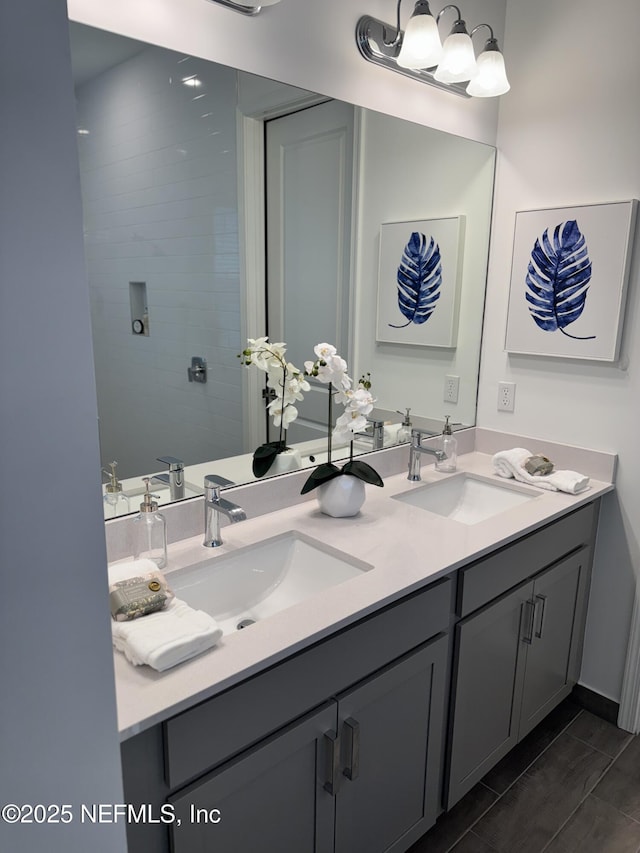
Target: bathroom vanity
x: 344, y: 738
x: 411, y: 682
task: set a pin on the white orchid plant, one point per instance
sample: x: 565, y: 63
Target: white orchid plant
x: 288, y: 384
x: 330, y: 369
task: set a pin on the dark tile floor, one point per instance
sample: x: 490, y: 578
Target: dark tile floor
x: 571, y: 786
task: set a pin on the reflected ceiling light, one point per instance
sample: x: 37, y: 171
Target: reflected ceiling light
x: 245, y: 7
x: 418, y: 52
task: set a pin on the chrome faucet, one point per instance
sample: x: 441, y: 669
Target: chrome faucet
x: 174, y: 479
x: 416, y: 450
x: 215, y: 506
x: 375, y: 432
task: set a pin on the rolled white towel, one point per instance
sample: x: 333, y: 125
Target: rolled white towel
x: 165, y: 638
x: 510, y: 463
x: 568, y: 481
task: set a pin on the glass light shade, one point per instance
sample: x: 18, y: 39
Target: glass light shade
x: 458, y: 61
x: 490, y: 78
x: 421, y: 45
x: 251, y: 3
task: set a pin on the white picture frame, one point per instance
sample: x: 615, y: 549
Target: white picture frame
x: 439, y: 294
x: 569, y: 277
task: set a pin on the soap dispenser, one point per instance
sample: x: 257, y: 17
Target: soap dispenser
x: 115, y: 501
x: 404, y: 432
x: 150, y: 531
x: 448, y: 444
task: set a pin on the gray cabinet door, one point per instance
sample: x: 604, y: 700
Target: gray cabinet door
x: 488, y: 676
x: 391, y: 730
x: 515, y: 660
x: 269, y: 800
x: 548, y: 678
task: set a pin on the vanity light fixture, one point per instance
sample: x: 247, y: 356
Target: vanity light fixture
x: 420, y: 46
x: 490, y: 78
x: 245, y: 8
x: 458, y: 61
x: 419, y: 53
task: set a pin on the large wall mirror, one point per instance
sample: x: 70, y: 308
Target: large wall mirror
x: 200, y: 231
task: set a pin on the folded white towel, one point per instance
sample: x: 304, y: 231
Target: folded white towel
x: 130, y: 569
x: 166, y: 638
x: 510, y: 463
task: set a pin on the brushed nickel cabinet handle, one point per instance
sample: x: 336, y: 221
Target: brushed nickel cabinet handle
x: 528, y: 618
x: 332, y: 746
x: 352, y: 770
x: 541, y: 599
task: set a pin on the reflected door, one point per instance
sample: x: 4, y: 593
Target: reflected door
x: 309, y: 168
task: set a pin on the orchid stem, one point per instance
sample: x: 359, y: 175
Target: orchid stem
x: 284, y: 385
x: 330, y: 424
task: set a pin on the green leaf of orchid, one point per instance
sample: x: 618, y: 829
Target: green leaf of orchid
x: 362, y: 471
x: 322, y: 474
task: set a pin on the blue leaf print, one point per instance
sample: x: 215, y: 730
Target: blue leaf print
x: 419, y: 280
x: 558, y: 278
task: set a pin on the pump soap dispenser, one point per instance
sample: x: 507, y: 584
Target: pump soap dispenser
x: 115, y: 501
x: 404, y: 432
x: 449, y: 446
x: 150, y: 531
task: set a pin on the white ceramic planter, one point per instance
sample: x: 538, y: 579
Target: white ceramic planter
x: 288, y: 460
x: 341, y: 497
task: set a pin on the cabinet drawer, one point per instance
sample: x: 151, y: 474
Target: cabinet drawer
x: 213, y: 731
x: 494, y: 575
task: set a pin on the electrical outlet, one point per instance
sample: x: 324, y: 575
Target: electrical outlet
x: 451, y: 388
x: 506, y: 396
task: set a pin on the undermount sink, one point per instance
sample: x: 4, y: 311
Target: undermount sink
x: 468, y: 498
x: 253, y: 583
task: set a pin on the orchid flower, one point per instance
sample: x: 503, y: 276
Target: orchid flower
x: 330, y: 369
x: 283, y: 377
x: 358, y: 404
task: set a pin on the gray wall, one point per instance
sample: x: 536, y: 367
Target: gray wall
x: 58, y: 734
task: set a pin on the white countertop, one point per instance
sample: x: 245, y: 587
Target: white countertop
x: 407, y: 547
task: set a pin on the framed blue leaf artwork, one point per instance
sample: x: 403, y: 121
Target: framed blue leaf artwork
x: 419, y: 282
x: 569, y: 279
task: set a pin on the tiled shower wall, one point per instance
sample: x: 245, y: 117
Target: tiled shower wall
x: 157, y: 142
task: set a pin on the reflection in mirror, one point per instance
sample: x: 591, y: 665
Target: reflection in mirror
x: 175, y: 250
